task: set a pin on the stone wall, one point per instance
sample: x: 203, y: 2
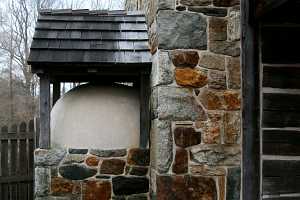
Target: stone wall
x: 82, y: 174
x: 196, y: 99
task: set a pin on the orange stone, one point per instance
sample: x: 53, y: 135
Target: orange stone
x: 190, y: 77
x: 212, y: 135
x: 97, y: 190
x: 92, y: 161
x: 220, y: 100
x: 232, y: 100
x: 61, y: 186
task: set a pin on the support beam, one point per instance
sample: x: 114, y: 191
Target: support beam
x: 44, y: 139
x: 250, y: 113
x: 56, y: 92
x: 144, y: 110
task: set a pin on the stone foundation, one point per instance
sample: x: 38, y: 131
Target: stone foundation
x: 196, y: 99
x: 94, y: 174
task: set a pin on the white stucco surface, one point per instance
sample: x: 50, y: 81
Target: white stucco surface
x: 94, y: 116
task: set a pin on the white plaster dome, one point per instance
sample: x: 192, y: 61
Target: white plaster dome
x: 97, y: 116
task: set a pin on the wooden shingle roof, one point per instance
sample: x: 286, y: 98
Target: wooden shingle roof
x: 89, y: 37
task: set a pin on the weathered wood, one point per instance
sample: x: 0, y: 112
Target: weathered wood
x: 44, y: 139
x: 281, y: 102
x: 283, y: 198
x: 281, y: 119
x: 281, y: 77
x: 250, y: 111
x: 36, y: 132
x: 4, y: 129
x: 13, y: 157
x: 23, y: 157
x: 8, y: 136
x: 31, y: 126
x: 281, y: 142
x: 281, y: 177
x: 144, y: 110
x: 4, y: 158
x: 23, y: 127
x: 56, y: 92
x: 14, y: 128
x: 265, y: 6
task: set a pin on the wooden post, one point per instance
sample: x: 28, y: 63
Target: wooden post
x: 56, y: 92
x: 44, y: 139
x: 250, y: 114
x: 144, y: 109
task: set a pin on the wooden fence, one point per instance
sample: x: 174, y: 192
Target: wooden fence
x: 17, y: 144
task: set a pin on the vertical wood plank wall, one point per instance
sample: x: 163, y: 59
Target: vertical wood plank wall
x: 16, y: 159
x: 280, y: 103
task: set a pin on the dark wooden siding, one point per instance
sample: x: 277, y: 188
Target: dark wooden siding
x: 280, y: 111
x: 17, y: 144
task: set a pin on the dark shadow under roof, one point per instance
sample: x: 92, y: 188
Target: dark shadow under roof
x: 89, y: 37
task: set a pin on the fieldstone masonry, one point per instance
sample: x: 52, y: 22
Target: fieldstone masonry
x: 196, y: 99
x: 95, y: 174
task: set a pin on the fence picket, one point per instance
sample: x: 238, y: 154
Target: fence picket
x: 4, y: 129
x: 23, y: 127
x: 14, y: 128
x: 17, y: 144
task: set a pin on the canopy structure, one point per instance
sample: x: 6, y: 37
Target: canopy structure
x: 89, y: 38
x: 85, y: 46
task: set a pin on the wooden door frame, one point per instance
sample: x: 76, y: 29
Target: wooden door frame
x: 251, y: 102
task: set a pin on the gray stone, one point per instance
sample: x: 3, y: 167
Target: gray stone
x: 216, y: 155
x: 233, y: 28
x: 166, y: 4
x: 73, y: 158
x: 181, y: 30
x: 76, y: 171
x: 109, y: 153
x: 216, y: 79
x: 233, y: 183
x: 154, y: 103
x: 178, y: 104
x: 162, y: 69
x: 196, y: 2
x: 161, y: 145
x: 209, y: 11
x: 51, y: 157
x: 150, y: 9
x: 42, y: 181
x: 225, y: 47
x: 212, y: 61
x: 153, y: 40
x: 78, y: 151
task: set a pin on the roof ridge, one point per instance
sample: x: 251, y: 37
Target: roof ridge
x: 71, y: 12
